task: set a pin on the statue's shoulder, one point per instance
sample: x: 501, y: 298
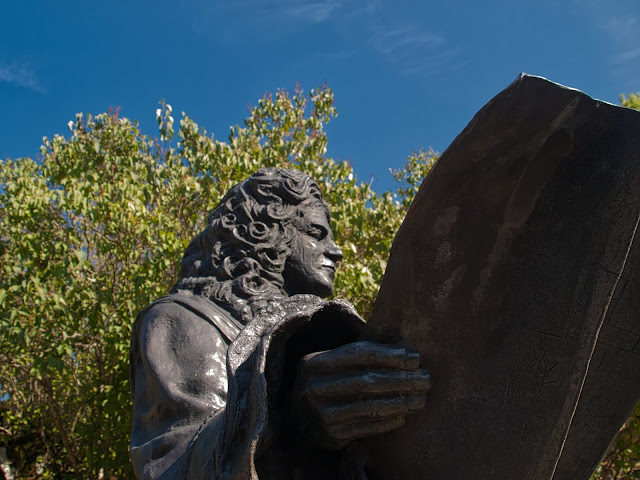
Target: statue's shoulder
x: 184, y: 307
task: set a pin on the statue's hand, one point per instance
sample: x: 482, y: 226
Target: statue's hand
x: 355, y: 391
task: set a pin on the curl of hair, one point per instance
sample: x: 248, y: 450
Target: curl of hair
x: 238, y: 260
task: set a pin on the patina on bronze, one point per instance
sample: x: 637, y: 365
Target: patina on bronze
x: 244, y: 372
x: 516, y: 276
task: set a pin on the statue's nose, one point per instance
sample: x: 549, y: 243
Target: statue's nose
x: 333, y: 252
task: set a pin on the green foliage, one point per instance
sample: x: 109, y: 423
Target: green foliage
x: 410, y: 176
x: 622, y: 460
x: 95, y: 230
x: 632, y: 101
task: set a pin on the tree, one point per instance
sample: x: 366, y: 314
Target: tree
x: 94, y: 231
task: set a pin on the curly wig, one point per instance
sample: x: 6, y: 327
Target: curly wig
x: 238, y: 260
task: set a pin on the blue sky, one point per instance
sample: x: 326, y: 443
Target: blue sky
x: 406, y: 75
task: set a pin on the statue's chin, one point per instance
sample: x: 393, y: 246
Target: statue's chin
x: 321, y: 287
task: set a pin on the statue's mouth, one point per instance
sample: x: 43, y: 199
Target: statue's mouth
x: 328, y: 264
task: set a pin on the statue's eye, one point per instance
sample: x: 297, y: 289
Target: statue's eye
x: 316, y: 232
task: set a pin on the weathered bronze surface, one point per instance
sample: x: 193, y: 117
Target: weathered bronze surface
x: 244, y: 371
x: 514, y: 279
x: 516, y: 276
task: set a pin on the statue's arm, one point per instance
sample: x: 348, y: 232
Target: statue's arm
x: 179, y: 386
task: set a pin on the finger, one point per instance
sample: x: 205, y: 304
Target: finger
x: 344, y: 434
x: 369, y: 385
x: 371, y: 409
x: 357, y: 355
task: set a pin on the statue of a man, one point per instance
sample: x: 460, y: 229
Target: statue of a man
x: 244, y: 371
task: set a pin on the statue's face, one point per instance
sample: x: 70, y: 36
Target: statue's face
x: 312, y: 264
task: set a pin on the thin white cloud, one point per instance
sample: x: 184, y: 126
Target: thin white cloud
x: 277, y: 18
x: 403, y: 41
x: 622, y: 28
x: 628, y: 56
x: 372, y: 7
x: 625, y: 57
x: 447, y: 61
x: 624, y: 34
x: 20, y: 74
x: 325, y: 10
x: 314, y: 12
x: 266, y: 12
x: 415, y: 52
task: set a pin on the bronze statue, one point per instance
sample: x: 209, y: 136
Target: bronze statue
x: 244, y: 371
x: 515, y: 276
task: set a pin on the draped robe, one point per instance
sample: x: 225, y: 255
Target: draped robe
x: 211, y: 395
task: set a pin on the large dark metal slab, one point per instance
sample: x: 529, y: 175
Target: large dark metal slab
x: 611, y: 388
x: 515, y: 274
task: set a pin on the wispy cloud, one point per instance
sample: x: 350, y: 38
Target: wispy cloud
x: 416, y: 52
x: 624, y: 32
x: 314, y: 12
x: 326, y: 10
x: 372, y: 7
x: 628, y: 56
x: 20, y: 74
x: 621, y: 28
x: 446, y: 61
x: 288, y: 15
x: 377, y: 25
x: 404, y: 41
x: 273, y: 18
